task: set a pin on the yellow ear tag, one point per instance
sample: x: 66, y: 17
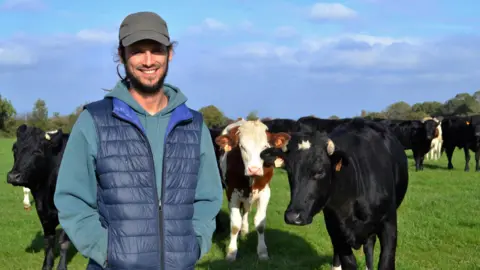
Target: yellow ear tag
x: 338, y: 166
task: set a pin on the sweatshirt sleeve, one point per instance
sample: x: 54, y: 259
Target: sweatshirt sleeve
x: 209, y: 194
x: 76, y: 189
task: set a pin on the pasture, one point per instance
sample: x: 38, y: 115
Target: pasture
x: 439, y: 226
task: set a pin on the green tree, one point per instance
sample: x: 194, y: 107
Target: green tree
x: 461, y: 104
x: 213, y: 116
x: 253, y: 115
x: 398, y: 110
x: 333, y: 117
x: 7, y: 115
x: 428, y: 107
x: 39, y: 115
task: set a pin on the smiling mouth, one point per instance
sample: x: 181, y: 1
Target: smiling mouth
x: 149, y: 71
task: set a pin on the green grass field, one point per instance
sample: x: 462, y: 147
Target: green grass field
x: 439, y: 227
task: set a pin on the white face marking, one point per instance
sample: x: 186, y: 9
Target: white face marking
x: 252, y: 141
x: 304, y: 145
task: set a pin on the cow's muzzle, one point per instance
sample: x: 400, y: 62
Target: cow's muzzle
x: 296, y: 218
x: 15, y: 179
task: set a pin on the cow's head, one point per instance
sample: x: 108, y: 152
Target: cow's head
x: 251, y: 138
x: 311, y: 160
x: 31, y: 153
x: 430, y: 126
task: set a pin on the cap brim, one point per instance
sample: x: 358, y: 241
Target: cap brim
x: 142, y: 35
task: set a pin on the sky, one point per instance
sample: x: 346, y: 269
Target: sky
x: 283, y: 59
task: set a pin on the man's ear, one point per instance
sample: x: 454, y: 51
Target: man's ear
x: 339, y: 160
x: 121, y: 55
x: 278, y: 140
x: 170, y: 53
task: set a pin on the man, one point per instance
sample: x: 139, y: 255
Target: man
x: 138, y: 186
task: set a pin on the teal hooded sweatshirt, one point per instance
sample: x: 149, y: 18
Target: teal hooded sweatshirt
x: 76, y: 191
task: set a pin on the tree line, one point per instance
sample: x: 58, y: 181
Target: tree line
x: 461, y: 104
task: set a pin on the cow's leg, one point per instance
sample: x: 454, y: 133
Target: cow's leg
x: 235, y: 225
x: 438, y: 150
x: 26, y: 199
x: 336, y: 264
x: 449, y: 150
x: 343, y: 257
x: 416, y: 157
x: 260, y: 221
x: 49, y: 244
x: 64, y: 242
x: 477, y: 161
x: 368, y: 249
x: 388, y: 243
x: 246, y: 209
x: 421, y: 157
x: 467, y: 158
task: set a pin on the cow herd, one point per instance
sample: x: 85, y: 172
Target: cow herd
x: 353, y: 170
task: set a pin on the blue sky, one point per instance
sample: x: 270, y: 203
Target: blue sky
x: 281, y: 58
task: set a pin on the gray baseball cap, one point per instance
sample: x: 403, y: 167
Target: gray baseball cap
x: 143, y: 25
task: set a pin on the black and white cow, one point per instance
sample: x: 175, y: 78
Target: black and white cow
x: 358, y: 176
x: 37, y: 155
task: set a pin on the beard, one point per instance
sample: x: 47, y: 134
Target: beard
x: 141, y: 87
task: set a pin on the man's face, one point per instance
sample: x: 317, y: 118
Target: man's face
x: 147, y: 65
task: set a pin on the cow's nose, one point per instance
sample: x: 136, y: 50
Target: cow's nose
x: 253, y: 170
x: 292, y: 217
x: 13, y: 178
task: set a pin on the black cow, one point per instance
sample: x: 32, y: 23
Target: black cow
x: 311, y: 123
x: 37, y: 157
x: 416, y: 135
x: 462, y: 132
x: 358, y: 176
x: 281, y: 125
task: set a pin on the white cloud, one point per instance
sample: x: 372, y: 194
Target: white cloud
x: 209, y: 25
x: 376, y: 70
x: 285, y: 32
x: 22, y: 4
x: 93, y: 35
x: 331, y: 11
x: 16, y: 55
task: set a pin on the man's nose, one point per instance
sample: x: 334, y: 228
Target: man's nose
x: 148, y: 58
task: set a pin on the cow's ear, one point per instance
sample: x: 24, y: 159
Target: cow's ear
x: 278, y: 140
x: 21, y: 129
x: 225, y: 142
x: 338, y: 158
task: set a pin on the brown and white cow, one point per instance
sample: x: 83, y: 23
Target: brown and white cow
x: 247, y: 178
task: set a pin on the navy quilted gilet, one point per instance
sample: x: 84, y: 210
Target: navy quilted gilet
x: 142, y: 235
